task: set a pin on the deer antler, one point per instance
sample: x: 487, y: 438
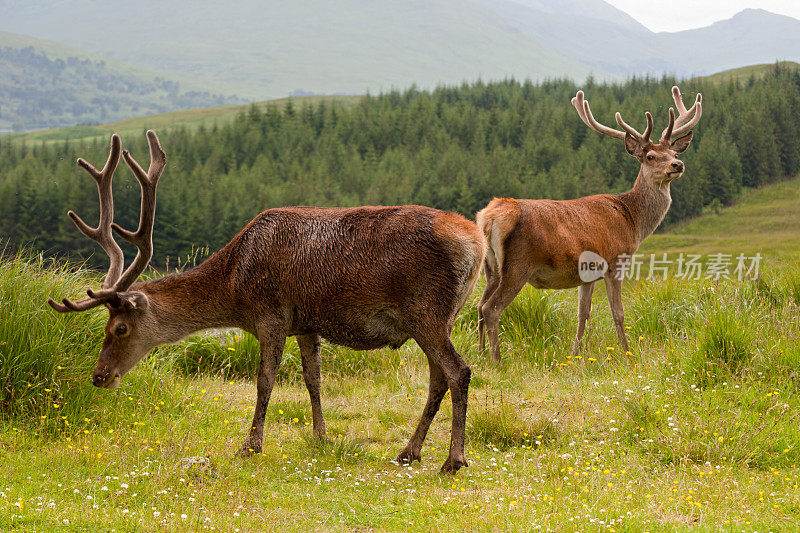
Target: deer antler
x: 117, y: 281
x: 582, y: 106
x: 678, y: 126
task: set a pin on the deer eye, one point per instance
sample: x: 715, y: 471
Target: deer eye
x: 122, y: 329
x: 650, y: 157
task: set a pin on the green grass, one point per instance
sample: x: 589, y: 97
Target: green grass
x: 764, y: 220
x: 695, y: 429
x: 743, y: 74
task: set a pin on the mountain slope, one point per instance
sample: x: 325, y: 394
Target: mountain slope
x: 316, y: 46
x: 43, y: 84
x: 588, y: 34
x: 750, y: 37
x: 593, y: 9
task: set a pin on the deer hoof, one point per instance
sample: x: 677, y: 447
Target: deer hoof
x: 451, y: 465
x: 248, y: 449
x: 408, y: 456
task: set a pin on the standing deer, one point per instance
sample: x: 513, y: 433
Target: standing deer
x: 363, y: 277
x: 540, y: 241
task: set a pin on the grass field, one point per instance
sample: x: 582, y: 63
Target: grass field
x: 696, y: 428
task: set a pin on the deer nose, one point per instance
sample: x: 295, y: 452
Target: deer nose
x: 97, y: 380
x: 678, y: 166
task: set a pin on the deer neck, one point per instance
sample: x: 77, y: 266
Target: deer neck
x: 191, y: 301
x: 648, y: 203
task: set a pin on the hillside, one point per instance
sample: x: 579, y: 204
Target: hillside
x: 452, y: 148
x: 220, y: 115
x: 764, y: 220
x: 270, y: 50
x: 743, y: 74
x: 43, y: 84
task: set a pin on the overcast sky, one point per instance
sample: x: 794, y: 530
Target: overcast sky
x: 676, y: 15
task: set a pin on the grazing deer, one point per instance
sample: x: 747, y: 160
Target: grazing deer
x: 363, y: 277
x: 542, y: 241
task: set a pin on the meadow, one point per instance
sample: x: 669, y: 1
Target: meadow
x: 696, y: 428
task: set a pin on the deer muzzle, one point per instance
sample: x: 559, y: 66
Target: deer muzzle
x: 105, y: 378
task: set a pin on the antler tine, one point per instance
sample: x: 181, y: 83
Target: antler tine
x: 680, y: 125
x: 585, y: 112
x: 102, y: 233
x: 143, y: 236
x: 668, y: 132
x: 577, y: 103
x: 642, y: 137
x: 68, y: 305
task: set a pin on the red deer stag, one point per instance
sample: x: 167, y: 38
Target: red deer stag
x: 542, y: 241
x: 362, y: 277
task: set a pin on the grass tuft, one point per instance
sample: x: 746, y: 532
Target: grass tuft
x: 504, y: 428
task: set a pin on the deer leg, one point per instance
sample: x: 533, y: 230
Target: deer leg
x: 271, y: 353
x: 584, y: 310
x: 457, y: 374
x: 438, y: 387
x: 311, y: 355
x: 492, y: 281
x: 614, y: 290
x: 511, y: 282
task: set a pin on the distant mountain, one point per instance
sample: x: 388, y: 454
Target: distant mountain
x: 271, y: 49
x: 586, y: 31
x: 752, y: 36
x: 592, y: 9
x: 44, y: 85
x: 267, y: 49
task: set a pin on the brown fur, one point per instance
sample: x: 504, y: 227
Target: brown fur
x: 362, y: 277
x: 539, y: 241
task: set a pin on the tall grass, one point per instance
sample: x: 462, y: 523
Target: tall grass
x: 46, y: 358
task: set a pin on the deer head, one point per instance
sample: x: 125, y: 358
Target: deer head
x: 660, y: 164
x: 128, y: 334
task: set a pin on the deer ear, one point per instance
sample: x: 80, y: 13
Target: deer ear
x: 134, y: 300
x: 680, y: 144
x: 633, y: 146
